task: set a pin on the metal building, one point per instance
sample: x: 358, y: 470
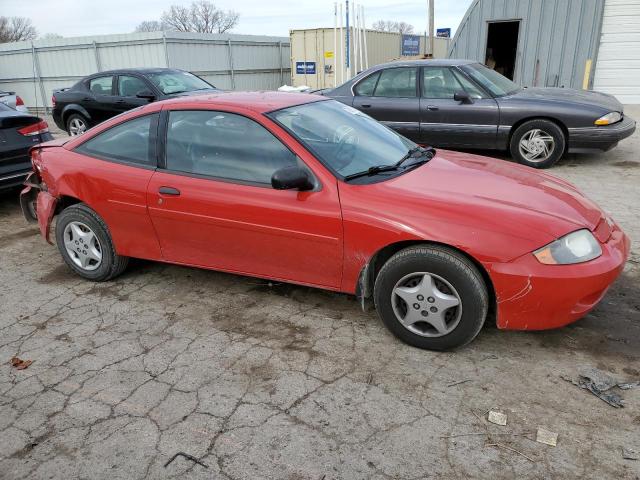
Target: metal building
x: 316, y: 47
x: 236, y: 62
x: 556, y: 43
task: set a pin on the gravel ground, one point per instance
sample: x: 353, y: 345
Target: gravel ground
x: 262, y: 380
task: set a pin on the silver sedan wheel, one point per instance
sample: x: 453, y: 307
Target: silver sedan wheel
x: 537, y: 145
x: 426, y: 304
x: 82, y: 245
x: 77, y: 127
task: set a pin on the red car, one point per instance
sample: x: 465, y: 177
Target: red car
x: 304, y: 189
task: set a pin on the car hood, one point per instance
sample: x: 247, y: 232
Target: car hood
x: 193, y: 92
x: 583, y: 97
x: 494, y: 194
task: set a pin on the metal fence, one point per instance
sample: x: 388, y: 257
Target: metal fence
x: 231, y: 62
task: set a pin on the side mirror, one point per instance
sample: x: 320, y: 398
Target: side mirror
x: 462, y: 96
x: 289, y: 178
x: 148, y: 94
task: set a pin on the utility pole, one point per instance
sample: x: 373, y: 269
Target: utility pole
x: 431, y: 29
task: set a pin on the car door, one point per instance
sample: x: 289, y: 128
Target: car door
x: 100, y: 100
x: 116, y: 165
x: 447, y: 122
x: 127, y: 88
x: 213, y: 204
x: 391, y: 97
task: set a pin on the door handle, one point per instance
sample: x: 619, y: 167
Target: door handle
x: 120, y: 101
x: 169, y: 191
x: 366, y: 105
x: 432, y: 108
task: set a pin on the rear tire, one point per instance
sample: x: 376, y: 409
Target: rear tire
x: 77, y: 124
x: 86, y: 246
x: 431, y: 297
x: 537, y: 143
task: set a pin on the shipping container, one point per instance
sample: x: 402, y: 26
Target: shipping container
x: 316, y: 58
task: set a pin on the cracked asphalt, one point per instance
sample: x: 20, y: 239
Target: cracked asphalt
x: 268, y: 380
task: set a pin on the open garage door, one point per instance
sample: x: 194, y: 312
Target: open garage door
x: 618, y: 65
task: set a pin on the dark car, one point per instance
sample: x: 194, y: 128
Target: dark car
x: 106, y: 94
x: 19, y: 132
x: 463, y: 104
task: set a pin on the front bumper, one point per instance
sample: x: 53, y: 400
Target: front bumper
x: 601, y: 138
x: 533, y: 296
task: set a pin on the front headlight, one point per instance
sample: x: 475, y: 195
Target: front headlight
x: 609, y: 118
x: 577, y: 247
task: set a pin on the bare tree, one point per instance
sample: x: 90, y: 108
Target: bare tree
x: 150, y: 26
x: 202, y: 16
x: 50, y: 36
x: 391, y: 26
x: 15, y: 29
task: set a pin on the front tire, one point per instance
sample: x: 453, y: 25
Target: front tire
x: 537, y: 143
x: 431, y: 297
x: 86, y: 246
x: 77, y: 124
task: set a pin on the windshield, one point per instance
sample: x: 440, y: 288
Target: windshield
x: 346, y: 140
x: 177, y: 82
x: 497, y: 84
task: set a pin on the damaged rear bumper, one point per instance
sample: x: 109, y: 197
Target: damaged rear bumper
x: 38, y: 205
x: 533, y: 296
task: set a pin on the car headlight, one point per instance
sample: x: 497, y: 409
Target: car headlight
x: 577, y: 247
x: 609, y: 118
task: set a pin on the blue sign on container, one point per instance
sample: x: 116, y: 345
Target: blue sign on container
x: 410, y: 45
x: 308, y: 68
x: 443, y: 32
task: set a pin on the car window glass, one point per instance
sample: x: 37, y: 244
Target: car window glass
x: 366, y: 86
x: 469, y: 86
x: 224, y: 145
x: 169, y: 82
x: 101, y: 85
x: 397, y: 82
x: 439, y: 82
x: 129, y: 86
x: 128, y: 141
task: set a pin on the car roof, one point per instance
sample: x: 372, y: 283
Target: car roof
x: 434, y: 62
x: 259, y: 101
x: 136, y: 70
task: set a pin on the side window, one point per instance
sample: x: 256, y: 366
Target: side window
x: 468, y: 85
x: 366, y: 86
x: 439, y: 82
x: 397, y: 82
x: 224, y: 145
x: 101, y: 85
x: 128, y: 142
x: 129, y: 86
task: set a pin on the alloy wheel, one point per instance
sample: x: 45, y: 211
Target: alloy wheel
x: 537, y: 145
x: 77, y: 127
x: 426, y: 304
x: 82, y: 245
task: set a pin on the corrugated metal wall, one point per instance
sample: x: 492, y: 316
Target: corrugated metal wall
x: 556, y: 38
x: 310, y: 46
x: 238, y: 62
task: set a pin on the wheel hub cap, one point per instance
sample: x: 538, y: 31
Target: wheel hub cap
x: 77, y: 127
x: 426, y: 304
x: 537, y: 145
x: 82, y: 245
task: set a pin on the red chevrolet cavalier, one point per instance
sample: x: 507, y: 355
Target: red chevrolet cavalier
x: 307, y: 190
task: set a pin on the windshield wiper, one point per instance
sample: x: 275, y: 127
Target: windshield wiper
x: 416, y: 152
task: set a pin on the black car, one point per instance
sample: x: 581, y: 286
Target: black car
x: 19, y: 131
x: 103, y: 95
x: 463, y: 104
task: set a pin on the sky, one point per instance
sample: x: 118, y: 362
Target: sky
x: 90, y: 17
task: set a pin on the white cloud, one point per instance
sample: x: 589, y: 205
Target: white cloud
x: 92, y: 17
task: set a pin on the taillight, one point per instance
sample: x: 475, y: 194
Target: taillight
x: 35, y: 129
x: 19, y: 101
x: 53, y: 101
